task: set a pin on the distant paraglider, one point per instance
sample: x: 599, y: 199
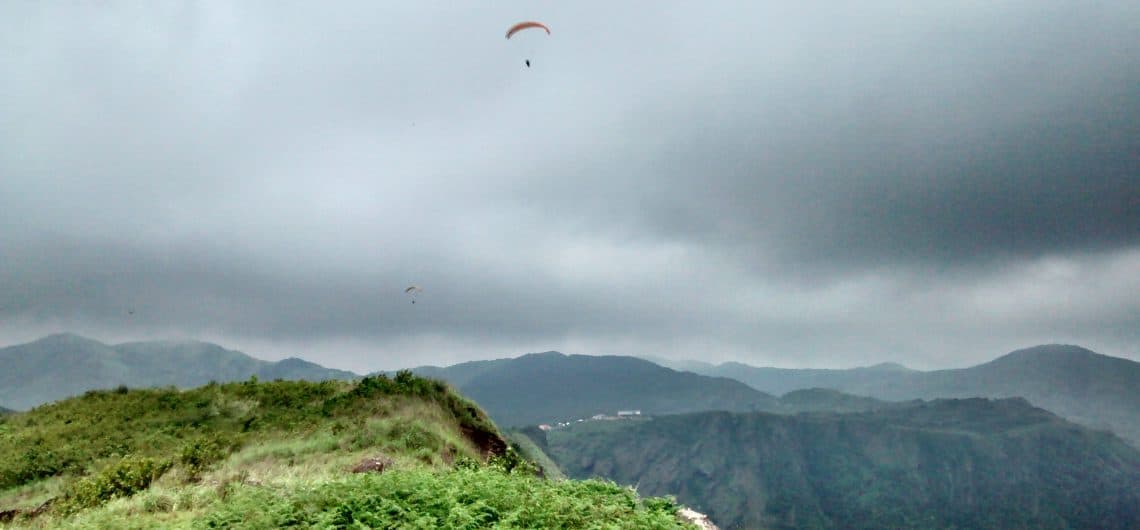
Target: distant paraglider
x: 526, y: 25
x: 413, y: 290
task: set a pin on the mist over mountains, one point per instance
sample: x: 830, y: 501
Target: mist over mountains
x: 63, y: 365
x: 1095, y: 390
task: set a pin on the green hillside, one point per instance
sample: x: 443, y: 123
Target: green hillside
x: 65, y: 365
x: 380, y: 452
x: 971, y: 463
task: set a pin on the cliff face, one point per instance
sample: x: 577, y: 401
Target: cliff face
x: 966, y: 463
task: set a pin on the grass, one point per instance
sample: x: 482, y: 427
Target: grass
x: 417, y: 498
x: 271, y: 454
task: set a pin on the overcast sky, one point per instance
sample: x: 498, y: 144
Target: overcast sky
x: 800, y: 184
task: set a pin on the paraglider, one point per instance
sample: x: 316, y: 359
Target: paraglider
x: 526, y: 25
x: 413, y: 290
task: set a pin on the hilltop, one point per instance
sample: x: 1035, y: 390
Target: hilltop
x: 64, y: 365
x: 378, y: 452
x: 551, y: 387
x: 958, y: 463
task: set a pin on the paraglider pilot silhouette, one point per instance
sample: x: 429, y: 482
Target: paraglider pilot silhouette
x: 413, y: 290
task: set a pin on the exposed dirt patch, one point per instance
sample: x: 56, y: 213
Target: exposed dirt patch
x: 489, y: 443
x: 374, y: 465
x: 7, y: 516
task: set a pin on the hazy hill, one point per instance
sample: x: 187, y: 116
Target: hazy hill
x: 4, y: 411
x: 458, y: 375
x: 1092, y: 389
x: 971, y: 463
x: 550, y: 387
x: 783, y: 380
x: 829, y: 400
x: 373, y: 453
x: 64, y: 365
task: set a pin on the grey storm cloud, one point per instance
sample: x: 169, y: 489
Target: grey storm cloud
x: 785, y: 183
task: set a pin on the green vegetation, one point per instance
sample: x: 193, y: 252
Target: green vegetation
x: 403, y: 451
x: 531, y: 444
x: 971, y: 463
x: 464, y: 498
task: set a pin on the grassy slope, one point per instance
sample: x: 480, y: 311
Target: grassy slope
x: 532, y: 451
x: 269, y: 454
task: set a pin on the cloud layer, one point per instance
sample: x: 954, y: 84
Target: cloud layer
x: 799, y: 185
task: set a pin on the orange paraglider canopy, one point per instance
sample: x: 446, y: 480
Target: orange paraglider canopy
x: 524, y: 25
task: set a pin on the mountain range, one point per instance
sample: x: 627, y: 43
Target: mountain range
x: 839, y: 449
x: 63, y: 365
x: 1094, y: 390
x: 956, y: 463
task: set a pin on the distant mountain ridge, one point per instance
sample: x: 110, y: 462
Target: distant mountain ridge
x: 780, y: 381
x: 1089, y: 388
x: 551, y: 386
x: 961, y: 463
x: 63, y: 365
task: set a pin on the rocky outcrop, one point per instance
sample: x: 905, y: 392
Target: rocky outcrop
x: 692, y: 516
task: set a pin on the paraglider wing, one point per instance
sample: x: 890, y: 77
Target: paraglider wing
x: 525, y: 25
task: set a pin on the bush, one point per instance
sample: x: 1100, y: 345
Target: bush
x: 199, y: 455
x: 34, y: 463
x: 124, y: 478
x: 512, y: 462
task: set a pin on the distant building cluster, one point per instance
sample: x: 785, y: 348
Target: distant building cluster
x: 621, y: 414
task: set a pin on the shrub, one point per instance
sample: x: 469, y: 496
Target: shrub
x: 34, y: 463
x: 124, y: 478
x: 512, y: 462
x: 198, y: 455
